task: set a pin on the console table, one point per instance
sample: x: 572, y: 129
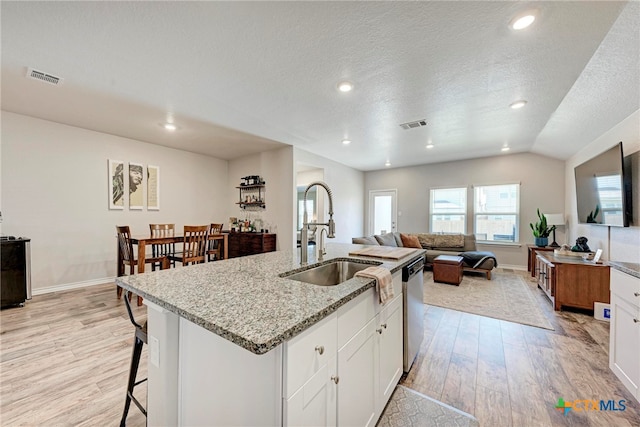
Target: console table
x: 243, y: 244
x: 533, y: 251
x: 572, y: 282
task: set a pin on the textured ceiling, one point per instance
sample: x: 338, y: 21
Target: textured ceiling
x: 244, y: 77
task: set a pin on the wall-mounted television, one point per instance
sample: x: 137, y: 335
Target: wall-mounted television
x: 603, y: 188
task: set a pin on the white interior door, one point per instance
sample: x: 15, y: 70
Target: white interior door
x: 383, y: 211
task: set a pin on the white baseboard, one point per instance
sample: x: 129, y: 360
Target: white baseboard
x: 70, y: 286
x: 513, y: 267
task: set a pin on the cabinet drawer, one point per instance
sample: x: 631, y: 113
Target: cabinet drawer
x: 306, y: 353
x: 355, y: 314
x: 626, y: 287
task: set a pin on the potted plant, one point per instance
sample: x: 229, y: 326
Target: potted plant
x: 541, y: 231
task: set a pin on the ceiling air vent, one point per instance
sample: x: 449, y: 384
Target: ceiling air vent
x: 44, y: 77
x: 412, y: 125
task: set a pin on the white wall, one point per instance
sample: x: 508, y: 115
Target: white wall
x: 541, y: 180
x: 276, y: 168
x: 617, y: 243
x: 54, y: 190
x: 347, y: 186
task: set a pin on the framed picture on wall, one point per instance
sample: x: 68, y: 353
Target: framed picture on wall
x: 116, y: 184
x: 153, y: 188
x: 136, y: 188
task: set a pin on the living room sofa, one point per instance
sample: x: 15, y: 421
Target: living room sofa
x: 463, y: 245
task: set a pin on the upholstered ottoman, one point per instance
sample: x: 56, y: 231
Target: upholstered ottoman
x: 447, y: 269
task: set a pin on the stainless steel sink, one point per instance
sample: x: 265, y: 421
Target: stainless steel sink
x: 329, y: 274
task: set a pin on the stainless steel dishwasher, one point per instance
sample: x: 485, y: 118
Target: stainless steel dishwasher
x: 413, y: 310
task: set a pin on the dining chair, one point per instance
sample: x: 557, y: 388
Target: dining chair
x: 162, y: 249
x: 214, y: 251
x: 194, y: 245
x: 128, y: 256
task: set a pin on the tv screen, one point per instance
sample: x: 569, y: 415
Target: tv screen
x: 600, y: 189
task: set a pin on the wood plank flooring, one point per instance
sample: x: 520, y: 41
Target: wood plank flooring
x: 508, y: 374
x: 64, y: 361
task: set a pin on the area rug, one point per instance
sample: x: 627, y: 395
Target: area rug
x: 408, y: 408
x: 506, y: 296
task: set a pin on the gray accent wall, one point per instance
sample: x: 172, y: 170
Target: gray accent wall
x: 541, y: 186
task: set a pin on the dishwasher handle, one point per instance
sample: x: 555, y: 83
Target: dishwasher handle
x: 412, y: 269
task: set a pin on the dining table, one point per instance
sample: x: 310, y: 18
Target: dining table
x: 143, y: 241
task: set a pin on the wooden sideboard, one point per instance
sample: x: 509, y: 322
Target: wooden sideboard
x: 242, y: 244
x: 533, y: 251
x: 572, y: 282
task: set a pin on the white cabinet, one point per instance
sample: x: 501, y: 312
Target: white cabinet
x: 390, y: 337
x: 314, y: 404
x: 351, y: 380
x: 310, y: 376
x: 370, y: 364
x: 624, y: 340
x: 358, y: 373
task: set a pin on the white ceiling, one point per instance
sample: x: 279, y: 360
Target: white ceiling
x: 244, y: 77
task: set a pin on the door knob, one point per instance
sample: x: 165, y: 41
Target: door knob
x: 335, y: 379
x: 320, y: 349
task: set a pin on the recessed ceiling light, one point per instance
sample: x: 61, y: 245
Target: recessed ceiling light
x: 170, y: 126
x: 522, y: 21
x: 429, y: 146
x: 518, y: 104
x: 346, y: 141
x: 387, y: 163
x: 345, y: 86
x: 505, y: 149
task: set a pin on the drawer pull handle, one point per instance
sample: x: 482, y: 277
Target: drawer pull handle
x: 636, y: 320
x: 379, y: 331
x: 320, y: 349
x: 335, y: 379
x: 636, y: 294
x: 384, y: 325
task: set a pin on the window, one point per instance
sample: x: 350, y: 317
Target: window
x: 496, y: 212
x: 448, y: 210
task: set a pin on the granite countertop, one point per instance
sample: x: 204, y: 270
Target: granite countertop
x: 631, y: 268
x: 246, y: 302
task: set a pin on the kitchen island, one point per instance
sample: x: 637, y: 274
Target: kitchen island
x: 233, y: 343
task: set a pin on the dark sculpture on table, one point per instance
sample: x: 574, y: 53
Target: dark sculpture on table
x: 581, y: 245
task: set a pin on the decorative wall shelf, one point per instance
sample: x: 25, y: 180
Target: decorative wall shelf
x: 252, y: 197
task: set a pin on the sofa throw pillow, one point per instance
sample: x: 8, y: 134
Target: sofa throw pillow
x: 386, y: 240
x: 398, y: 239
x: 368, y: 240
x: 410, y: 241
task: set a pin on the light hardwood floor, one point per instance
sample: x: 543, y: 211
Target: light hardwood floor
x: 509, y: 374
x: 64, y: 361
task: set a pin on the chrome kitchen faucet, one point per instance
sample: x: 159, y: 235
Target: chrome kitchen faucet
x: 331, y: 226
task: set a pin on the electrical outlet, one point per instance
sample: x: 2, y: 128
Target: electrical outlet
x: 154, y: 351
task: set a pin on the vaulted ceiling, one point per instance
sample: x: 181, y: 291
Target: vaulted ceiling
x: 242, y: 77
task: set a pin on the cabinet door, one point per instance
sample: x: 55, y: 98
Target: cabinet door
x: 358, y: 378
x: 624, y: 345
x: 314, y: 404
x: 389, y: 333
